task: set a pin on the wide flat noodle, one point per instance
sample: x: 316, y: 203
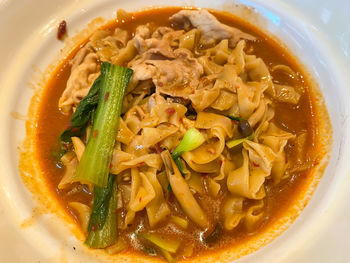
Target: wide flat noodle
x: 246, y: 182
x: 85, y: 69
x: 213, y: 187
x: 122, y: 161
x: 210, y: 167
x: 152, y: 136
x: 106, y: 45
x: 259, y: 113
x: 218, y: 95
x: 232, y: 212
x: 142, y: 191
x: 284, y: 93
x: 211, y: 29
x: 206, y: 120
x: 254, y: 214
x: 277, y: 139
x: 203, y: 98
x: 260, y: 155
x: 79, y: 147
x: 220, y: 127
x: 237, y: 57
x: 226, y: 167
x: 195, y: 183
x: 84, y: 213
x: 157, y: 209
x: 165, y: 113
x: 133, y: 118
x: 249, y: 96
x: 70, y: 162
x: 124, y: 134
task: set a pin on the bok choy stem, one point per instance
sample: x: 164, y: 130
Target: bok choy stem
x: 100, y: 206
x: 104, y: 234
x: 94, y: 164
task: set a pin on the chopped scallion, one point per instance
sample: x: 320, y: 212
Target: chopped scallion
x: 179, y: 221
x: 234, y: 118
x: 235, y: 142
x: 167, y: 256
x: 179, y: 165
x: 170, y: 245
x: 191, y: 140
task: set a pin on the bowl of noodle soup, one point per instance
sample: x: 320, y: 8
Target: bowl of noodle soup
x: 245, y: 106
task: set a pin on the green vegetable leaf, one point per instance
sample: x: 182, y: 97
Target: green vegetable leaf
x: 100, y: 206
x: 107, y: 234
x: 94, y: 164
x: 83, y: 113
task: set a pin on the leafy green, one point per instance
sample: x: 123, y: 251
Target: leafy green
x: 100, y: 207
x: 104, y: 234
x: 95, y: 162
x: 83, y: 113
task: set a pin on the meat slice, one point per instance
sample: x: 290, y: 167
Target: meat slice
x: 178, y: 77
x: 161, y: 31
x: 85, y: 69
x: 102, y: 46
x: 160, y: 45
x: 142, y: 32
x: 143, y: 71
x: 211, y: 29
x: 174, y: 71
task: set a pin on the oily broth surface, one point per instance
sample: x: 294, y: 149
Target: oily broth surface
x: 297, y: 118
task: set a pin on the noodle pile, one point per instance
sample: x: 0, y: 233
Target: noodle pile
x: 191, y: 77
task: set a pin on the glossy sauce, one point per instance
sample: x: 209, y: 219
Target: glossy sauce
x: 293, y: 118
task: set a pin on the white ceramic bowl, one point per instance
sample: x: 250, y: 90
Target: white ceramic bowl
x: 316, y: 32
